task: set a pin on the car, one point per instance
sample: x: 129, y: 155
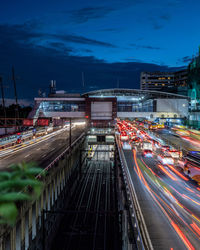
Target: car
x: 147, y: 153
x: 135, y: 140
x: 174, y: 154
x: 165, y: 148
x: 165, y: 160
x: 126, y: 146
x: 124, y: 136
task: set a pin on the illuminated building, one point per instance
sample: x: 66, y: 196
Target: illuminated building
x: 172, y: 82
x: 107, y: 104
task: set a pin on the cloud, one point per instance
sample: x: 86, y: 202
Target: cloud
x: 137, y: 46
x: 23, y: 34
x: 185, y: 60
x: 110, y: 30
x: 159, y: 21
x: 85, y: 14
x: 165, y: 17
x: 81, y: 40
x: 37, y: 64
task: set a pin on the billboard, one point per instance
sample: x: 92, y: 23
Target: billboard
x: 43, y: 122
x: 28, y: 122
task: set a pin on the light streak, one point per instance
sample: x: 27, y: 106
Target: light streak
x: 182, y: 236
x: 191, y: 199
x: 195, y: 227
x: 167, y: 173
x: 178, y: 173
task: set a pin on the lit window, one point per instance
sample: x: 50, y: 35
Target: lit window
x: 163, y: 84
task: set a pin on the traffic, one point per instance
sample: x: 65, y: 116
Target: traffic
x: 169, y: 175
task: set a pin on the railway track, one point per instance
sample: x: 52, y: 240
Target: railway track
x: 91, y: 218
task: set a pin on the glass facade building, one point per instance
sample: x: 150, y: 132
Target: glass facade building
x: 62, y: 106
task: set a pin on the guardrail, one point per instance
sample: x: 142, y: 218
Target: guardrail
x: 143, y: 239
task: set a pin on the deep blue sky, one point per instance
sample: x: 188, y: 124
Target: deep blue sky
x: 108, y: 40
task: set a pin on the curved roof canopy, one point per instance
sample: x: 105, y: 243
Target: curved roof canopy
x: 132, y: 92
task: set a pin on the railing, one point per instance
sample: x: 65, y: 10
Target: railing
x: 143, y: 240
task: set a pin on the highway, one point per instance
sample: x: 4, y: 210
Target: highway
x: 169, y: 200
x: 180, y: 142
x: 41, y: 150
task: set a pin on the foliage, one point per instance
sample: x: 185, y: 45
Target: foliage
x: 18, y: 185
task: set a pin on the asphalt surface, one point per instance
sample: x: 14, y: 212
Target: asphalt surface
x: 160, y: 230
x: 42, y: 150
x: 169, y: 200
x: 173, y: 139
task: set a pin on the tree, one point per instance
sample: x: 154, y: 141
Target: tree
x: 16, y: 186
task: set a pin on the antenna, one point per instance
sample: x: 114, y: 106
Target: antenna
x: 3, y: 102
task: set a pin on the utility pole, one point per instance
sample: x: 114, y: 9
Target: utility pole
x: 16, y: 100
x: 70, y: 133
x: 3, y: 102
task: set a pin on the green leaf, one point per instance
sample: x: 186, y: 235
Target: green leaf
x: 34, y: 171
x: 14, y: 196
x: 8, y: 212
x: 18, y: 184
x: 5, y: 175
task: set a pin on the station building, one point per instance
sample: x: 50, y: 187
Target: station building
x: 108, y: 104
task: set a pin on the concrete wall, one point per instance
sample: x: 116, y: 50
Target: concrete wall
x: 28, y: 232
x: 148, y: 115
x: 179, y: 106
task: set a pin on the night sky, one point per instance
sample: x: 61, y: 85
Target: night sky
x: 108, y: 40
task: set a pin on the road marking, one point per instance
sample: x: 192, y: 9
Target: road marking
x: 38, y: 149
x: 43, y: 156
x: 26, y: 156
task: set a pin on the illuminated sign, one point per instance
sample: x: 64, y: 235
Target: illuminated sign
x: 28, y: 122
x: 43, y: 122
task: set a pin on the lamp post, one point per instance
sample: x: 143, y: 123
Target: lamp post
x: 3, y: 102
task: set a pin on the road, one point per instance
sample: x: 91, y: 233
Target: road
x: 169, y: 201
x: 180, y: 142
x: 41, y: 150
